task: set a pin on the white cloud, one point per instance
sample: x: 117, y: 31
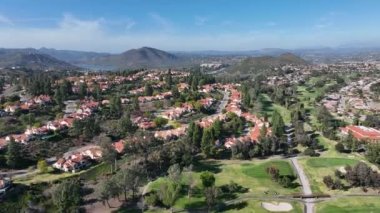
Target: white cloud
x: 71, y: 32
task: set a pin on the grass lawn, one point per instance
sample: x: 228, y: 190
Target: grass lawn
x: 268, y: 107
x: 36, y: 177
x: 249, y: 174
x: 317, y: 168
x: 352, y: 204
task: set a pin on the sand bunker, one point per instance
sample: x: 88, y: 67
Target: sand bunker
x: 277, y: 207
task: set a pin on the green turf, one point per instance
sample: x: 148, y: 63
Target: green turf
x: 330, y: 162
x: 317, y: 168
x: 352, y: 204
x: 259, y: 171
x: 249, y: 174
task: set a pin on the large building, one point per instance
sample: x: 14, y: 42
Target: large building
x: 362, y: 132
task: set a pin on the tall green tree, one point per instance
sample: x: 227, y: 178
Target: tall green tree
x: 197, y: 136
x: 109, y: 189
x: 82, y: 90
x: 148, y: 90
x: 66, y: 196
x: 169, y: 193
x: 13, y: 154
x: 207, y: 141
x: 277, y: 125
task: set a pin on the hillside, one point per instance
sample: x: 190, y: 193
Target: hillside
x: 257, y: 65
x: 31, y: 59
x: 144, y: 57
x: 72, y: 56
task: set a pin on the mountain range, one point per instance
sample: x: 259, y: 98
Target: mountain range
x: 147, y: 57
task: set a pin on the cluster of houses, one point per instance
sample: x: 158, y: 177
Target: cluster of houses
x: 155, y: 75
x: 253, y: 133
x: 171, y: 133
x: 143, y: 123
x: 104, y: 81
x: 161, y: 96
x: 28, y: 104
x: 177, y: 112
x: 353, y: 98
x: 86, y: 108
x: 298, y: 74
x: 84, y: 158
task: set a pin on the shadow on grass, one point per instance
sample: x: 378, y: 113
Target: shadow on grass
x: 211, y: 166
x: 195, y: 205
x: 234, y: 206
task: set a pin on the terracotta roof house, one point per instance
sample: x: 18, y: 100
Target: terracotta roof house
x: 362, y: 132
x: 119, y: 146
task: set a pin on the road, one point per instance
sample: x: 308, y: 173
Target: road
x: 309, y: 203
x: 223, y: 102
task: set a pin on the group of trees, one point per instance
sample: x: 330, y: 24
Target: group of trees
x: 39, y: 84
x: 349, y: 144
x: 283, y: 180
x: 360, y: 175
x: 197, y: 79
x: 87, y: 128
x: 124, y: 182
x: 329, y: 125
x: 66, y: 196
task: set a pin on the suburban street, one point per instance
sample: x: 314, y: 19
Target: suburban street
x: 309, y: 202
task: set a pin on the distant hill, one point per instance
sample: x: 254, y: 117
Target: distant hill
x: 257, y: 65
x: 144, y: 57
x: 31, y: 59
x: 72, y: 56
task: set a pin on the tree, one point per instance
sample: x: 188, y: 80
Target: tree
x: 373, y: 153
x: 135, y: 104
x: 160, y: 121
x: 197, y: 136
x: 169, y: 193
x: 115, y: 106
x: 217, y: 128
x: 109, y: 154
x: 208, y: 179
x: 211, y: 195
x: 82, y: 90
x: 207, y: 141
x: 169, y: 79
x: 328, y: 181
x: 175, y: 92
x: 66, y: 196
x: 277, y: 124
x: 13, y: 154
x: 97, y: 92
x: 58, y: 97
x: 42, y: 166
x: 148, y: 90
x: 340, y: 147
x: 109, y: 189
x: 274, y: 172
x: 125, y: 125
x: 174, y: 173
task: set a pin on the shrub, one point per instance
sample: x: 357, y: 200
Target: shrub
x: 152, y: 199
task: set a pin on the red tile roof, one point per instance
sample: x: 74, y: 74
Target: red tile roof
x: 362, y: 132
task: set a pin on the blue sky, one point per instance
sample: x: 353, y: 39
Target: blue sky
x: 118, y: 25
